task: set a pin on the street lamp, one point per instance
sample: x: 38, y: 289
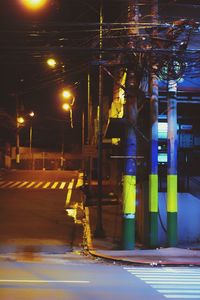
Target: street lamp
x: 31, y: 114
x: 33, y: 4
x: 67, y: 106
x: 51, y: 62
x: 20, y: 121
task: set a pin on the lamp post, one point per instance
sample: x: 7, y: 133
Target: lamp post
x: 20, y: 121
x: 31, y: 114
x: 67, y: 105
x: 69, y: 99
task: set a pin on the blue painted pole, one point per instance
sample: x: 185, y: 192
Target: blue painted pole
x: 153, y: 176
x: 172, y: 145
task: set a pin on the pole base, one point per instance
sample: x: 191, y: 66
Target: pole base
x: 172, y: 229
x: 128, y: 238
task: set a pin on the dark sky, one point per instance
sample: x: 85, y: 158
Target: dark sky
x: 27, y: 39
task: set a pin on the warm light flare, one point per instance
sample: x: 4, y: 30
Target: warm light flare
x: 32, y: 114
x: 66, y: 94
x: 66, y: 106
x: 20, y: 120
x: 51, y: 62
x: 33, y: 4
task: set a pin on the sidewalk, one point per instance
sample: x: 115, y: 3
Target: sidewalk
x: 105, y: 248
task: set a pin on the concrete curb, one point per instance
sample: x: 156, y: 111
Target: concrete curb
x: 152, y: 261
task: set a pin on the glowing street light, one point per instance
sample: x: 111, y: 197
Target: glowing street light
x: 20, y: 121
x: 66, y: 94
x: 33, y: 4
x: 66, y: 106
x: 32, y: 114
x: 51, y: 62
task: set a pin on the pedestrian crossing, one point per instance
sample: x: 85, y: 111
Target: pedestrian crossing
x: 172, y: 283
x: 43, y: 185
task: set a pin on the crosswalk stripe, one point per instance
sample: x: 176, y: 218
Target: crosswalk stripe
x: 170, y: 286
x: 69, y: 193
x: 7, y: 184
x: 171, y: 283
x: 183, y: 296
x: 46, y: 185
x: 35, y: 185
x: 179, y: 291
x: 54, y: 185
x: 63, y: 184
x: 14, y: 184
x: 38, y: 184
x: 192, y: 282
x: 30, y: 184
x: 22, y: 184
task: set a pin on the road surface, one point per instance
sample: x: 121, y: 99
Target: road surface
x: 75, y: 277
x: 33, y: 211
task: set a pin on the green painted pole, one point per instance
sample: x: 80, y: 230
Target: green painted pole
x: 172, y: 146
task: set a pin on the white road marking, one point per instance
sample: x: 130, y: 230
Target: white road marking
x: 46, y: 185
x: 41, y: 281
x: 14, y: 184
x: 54, y: 185
x: 7, y: 184
x: 180, y: 291
x: 63, y: 184
x: 38, y: 184
x: 22, y: 184
x: 69, y: 192
x: 35, y: 184
x: 176, y: 283
x: 30, y: 184
x: 183, y: 296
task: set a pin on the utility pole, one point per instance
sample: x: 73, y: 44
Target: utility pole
x: 153, y: 176
x: 172, y: 147
x: 99, y: 232
x: 129, y: 178
x: 17, y: 132
x: 89, y: 118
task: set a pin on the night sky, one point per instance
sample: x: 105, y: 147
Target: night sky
x: 27, y: 39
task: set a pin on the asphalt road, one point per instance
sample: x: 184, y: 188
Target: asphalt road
x: 32, y: 212
x: 75, y: 277
x: 36, y: 242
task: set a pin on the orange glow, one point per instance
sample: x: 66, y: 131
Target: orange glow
x: 66, y: 106
x: 51, y: 62
x: 20, y: 120
x: 66, y: 94
x: 33, y: 4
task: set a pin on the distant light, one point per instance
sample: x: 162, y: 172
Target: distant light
x: 33, y: 4
x: 51, y: 62
x: 66, y: 106
x: 66, y: 94
x: 20, y: 120
x: 32, y: 114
